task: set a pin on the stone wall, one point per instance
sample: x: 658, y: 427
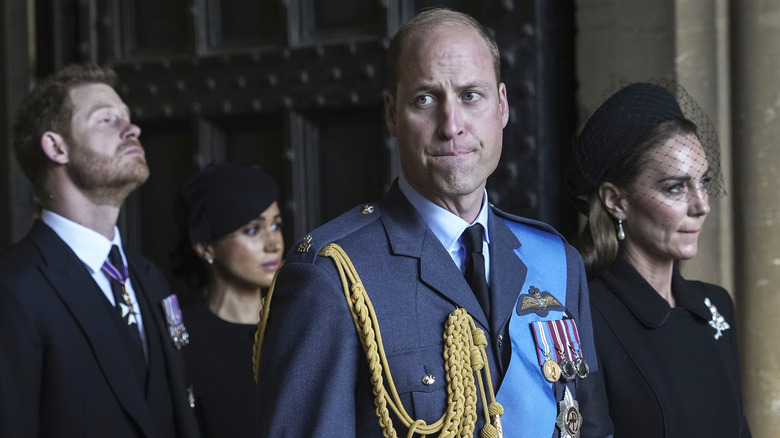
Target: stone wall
x: 726, y: 55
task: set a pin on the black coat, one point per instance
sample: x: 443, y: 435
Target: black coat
x: 219, y: 368
x: 665, y: 372
x: 64, y: 371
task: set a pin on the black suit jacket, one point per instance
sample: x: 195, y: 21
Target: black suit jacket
x: 63, y: 369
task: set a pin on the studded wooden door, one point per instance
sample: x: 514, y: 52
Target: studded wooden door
x: 296, y: 86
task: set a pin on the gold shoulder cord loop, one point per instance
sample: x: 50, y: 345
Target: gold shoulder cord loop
x: 260, y: 333
x: 464, y: 355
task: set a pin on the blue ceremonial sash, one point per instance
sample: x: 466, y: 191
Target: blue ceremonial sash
x: 530, y: 405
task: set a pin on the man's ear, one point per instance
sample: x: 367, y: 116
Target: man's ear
x: 390, y: 113
x: 503, y: 104
x: 614, y: 200
x: 54, y: 146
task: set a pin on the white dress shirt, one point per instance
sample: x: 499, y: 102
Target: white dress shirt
x: 449, y: 227
x: 92, y: 249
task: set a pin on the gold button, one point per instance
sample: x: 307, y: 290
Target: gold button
x: 368, y: 209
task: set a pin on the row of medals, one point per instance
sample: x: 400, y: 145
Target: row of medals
x: 566, y: 369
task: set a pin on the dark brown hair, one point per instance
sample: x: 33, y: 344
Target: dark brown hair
x: 47, y: 107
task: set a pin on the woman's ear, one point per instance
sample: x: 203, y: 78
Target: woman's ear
x: 203, y: 250
x: 614, y: 200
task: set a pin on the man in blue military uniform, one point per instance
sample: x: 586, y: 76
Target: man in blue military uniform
x: 431, y: 310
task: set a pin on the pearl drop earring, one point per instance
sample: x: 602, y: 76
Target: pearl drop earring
x: 621, y: 234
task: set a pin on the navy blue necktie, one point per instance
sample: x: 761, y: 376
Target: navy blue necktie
x: 475, y: 266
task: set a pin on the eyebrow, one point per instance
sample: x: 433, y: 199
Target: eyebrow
x: 433, y: 85
x: 684, y: 177
x: 262, y: 217
x: 101, y: 106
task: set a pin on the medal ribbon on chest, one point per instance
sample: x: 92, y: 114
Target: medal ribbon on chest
x: 580, y: 365
x: 565, y: 361
x: 550, y: 368
x: 175, y: 321
x: 561, y: 339
x: 124, y: 301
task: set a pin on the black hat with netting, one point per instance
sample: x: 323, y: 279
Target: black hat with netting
x: 635, y: 112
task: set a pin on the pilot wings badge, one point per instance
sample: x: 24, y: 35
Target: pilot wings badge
x: 537, y: 302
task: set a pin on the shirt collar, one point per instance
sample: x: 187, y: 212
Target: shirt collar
x: 447, y: 227
x: 90, y: 246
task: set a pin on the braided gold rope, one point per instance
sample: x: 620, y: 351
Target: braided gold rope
x: 260, y: 333
x: 464, y: 355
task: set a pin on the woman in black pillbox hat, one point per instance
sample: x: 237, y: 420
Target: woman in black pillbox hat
x: 647, y: 165
x: 230, y: 246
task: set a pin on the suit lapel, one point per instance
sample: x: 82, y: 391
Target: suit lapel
x: 507, y: 272
x: 154, y: 291
x: 143, y: 284
x: 410, y: 236
x: 140, y: 272
x: 76, y: 288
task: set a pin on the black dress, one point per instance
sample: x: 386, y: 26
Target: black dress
x: 666, y: 373
x: 219, y: 368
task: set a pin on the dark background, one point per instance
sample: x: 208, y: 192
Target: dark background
x: 294, y: 86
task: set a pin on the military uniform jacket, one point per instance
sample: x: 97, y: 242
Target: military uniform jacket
x: 63, y: 369
x: 666, y: 373
x: 313, y: 374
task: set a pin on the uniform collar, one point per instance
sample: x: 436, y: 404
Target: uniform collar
x: 446, y: 226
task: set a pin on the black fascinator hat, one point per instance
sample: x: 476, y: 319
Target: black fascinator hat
x: 223, y: 197
x: 626, y: 116
x: 217, y: 201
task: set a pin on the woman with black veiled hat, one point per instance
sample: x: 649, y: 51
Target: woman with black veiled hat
x: 231, y: 246
x: 648, y: 163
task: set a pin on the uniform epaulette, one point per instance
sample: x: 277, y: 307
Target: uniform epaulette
x: 306, y: 249
x: 530, y: 222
